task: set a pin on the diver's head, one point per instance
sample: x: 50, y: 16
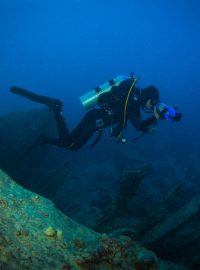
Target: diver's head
x: 149, y: 97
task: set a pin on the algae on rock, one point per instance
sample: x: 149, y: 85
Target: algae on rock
x: 30, y: 238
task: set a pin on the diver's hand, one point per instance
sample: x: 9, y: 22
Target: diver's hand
x: 160, y: 113
x: 177, y: 117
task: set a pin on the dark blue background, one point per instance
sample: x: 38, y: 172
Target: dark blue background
x: 65, y: 48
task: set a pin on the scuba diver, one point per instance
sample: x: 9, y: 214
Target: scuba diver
x: 112, y: 104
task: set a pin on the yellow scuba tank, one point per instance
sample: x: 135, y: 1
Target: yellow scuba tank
x: 90, y: 99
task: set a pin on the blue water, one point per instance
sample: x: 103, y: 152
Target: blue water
x: 65, y: 48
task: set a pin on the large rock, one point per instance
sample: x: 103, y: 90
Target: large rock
x: 35, y: 235
x: 18, y: 132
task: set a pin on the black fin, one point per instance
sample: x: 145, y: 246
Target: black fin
x: 52, y: 103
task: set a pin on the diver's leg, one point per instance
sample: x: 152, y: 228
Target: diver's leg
x: 85, y: 129
x: 63, y: 139
x: 78, y: 137
x: 63, y: 131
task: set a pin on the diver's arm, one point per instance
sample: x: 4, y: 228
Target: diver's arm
x: 148, y: 123
x: 143, y: 125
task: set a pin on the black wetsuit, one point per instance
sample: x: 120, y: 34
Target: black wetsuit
x: 110, y: 114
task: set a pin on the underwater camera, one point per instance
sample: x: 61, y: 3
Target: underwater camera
x: 169, y: 113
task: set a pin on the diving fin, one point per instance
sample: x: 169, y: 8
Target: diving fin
x: 52, y: 103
